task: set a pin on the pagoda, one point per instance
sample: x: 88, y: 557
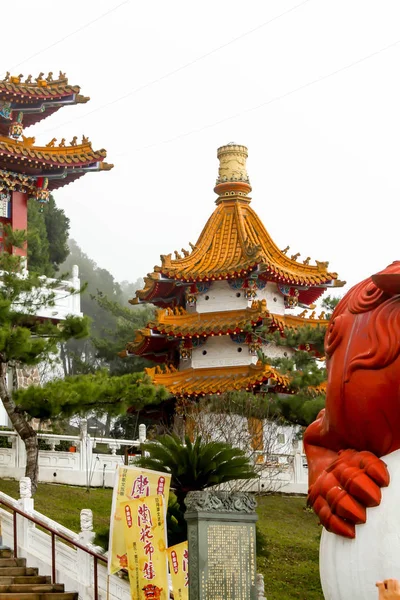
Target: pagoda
x: 214, y: 299
x: 30, y: 171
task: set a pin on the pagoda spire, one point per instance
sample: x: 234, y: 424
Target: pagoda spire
x: 233, y: 181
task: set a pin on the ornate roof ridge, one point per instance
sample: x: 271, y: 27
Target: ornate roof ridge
x: 214, y: 380
x: 62, y: 148
x: 217, y: 380
x: 40, y: 86
x: 254, y: 248
x: 195, y: 325
x: 234, y: 242
x: 62, y: 154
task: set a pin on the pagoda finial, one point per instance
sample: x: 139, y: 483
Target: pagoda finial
x: 232, y: 163
x: 232, y: 173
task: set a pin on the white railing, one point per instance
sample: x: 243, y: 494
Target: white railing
x: 81, y: 465
x: 65, y: 302
x: 73, y: 566
x: 283, y: 472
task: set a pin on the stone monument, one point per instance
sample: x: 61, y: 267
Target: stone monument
x: 222, y: 545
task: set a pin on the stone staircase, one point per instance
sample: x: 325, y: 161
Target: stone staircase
x: 19, y: 582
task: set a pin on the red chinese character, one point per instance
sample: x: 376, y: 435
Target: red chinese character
x: 161, y: 485
x: 187, y: 580
x: 141, y: 487
x: 185, y: 560
x: 145, y: 533
x: 149, y: 549
x: 174, y: 560
x: 148, y: 570
x: 144, y: 515
x: 128, y: 516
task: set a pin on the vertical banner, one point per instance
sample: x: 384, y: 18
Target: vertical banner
x: 146, y: 546
x: 131, y: 483
x: 179, y: 570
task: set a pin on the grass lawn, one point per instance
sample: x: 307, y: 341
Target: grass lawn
x: 290, y: 571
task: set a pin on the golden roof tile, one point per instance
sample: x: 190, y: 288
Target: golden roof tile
x: 50, y: 154
x: 39, y: 88
x: 234, y: 241
x: 193, y: 325
x: 294, y: 321
x: 186, y: 323
x: 198, y: 382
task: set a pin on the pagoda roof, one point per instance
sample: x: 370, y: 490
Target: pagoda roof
x: 155, y: 340
x: 233, y: 243
x: 188, y: 324
x: 61, y: 164
x: 217, y: 380
x: 287, y: 321
x: 37, y: 98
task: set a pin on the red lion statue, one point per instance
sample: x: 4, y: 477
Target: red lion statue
x: 361, y: 421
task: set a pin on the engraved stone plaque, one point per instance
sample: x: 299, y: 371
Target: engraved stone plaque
x: 222, y: 555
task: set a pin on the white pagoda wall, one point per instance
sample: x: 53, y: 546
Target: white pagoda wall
x: 221, y: 297
x: 223, y: 352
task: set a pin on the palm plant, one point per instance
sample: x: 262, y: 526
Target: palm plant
x: 195, y: 466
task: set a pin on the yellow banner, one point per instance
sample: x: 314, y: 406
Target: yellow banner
x: 179, y: 570
x: 146, y: 545
x: 131, y: 483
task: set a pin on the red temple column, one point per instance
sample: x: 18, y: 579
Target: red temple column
x: 19, y: 217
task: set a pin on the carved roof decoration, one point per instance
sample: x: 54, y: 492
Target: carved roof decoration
x: 55, y: 155
x: 61, y: 164
x: 156, y: 337
x: 216, y: 380
x: 37, y: 97
x: 187, y: 324
x: 17, y: 182
x: 38, y: 87
x: 288, y: 321
x: 233, y: 243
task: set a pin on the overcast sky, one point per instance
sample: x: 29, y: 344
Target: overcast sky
x: 322, y: 126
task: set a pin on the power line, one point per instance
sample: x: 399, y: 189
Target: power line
x: 181, y: 68
x: 70, y: 34
x: 270, y: 101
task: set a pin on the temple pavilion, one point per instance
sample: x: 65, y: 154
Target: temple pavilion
x: 213, y: 299
x: 30, y: 171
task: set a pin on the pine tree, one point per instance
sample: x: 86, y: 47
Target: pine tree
x: 93, y: 393
x: 304, y: 366
x: 48, y: 229
x: 24, y: 339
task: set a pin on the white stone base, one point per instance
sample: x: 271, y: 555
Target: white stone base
x: 349, y: 569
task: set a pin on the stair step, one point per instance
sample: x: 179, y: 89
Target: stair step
x: 19, y: 582
x: 12, y: 562
x: 39, y: 596
x: 34, y: 579
x: 17, y: 571
x: 42, y: 588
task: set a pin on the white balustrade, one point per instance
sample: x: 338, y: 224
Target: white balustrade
x: 285, y: 472
x: 80, y: 465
